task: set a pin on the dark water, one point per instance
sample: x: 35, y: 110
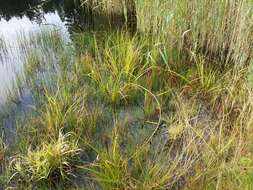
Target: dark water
x: 69, y: 12
x: 73, y: 13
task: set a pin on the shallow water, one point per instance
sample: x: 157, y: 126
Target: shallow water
x: 11, y: 60
x: 18, y: 24
x: 21, y: 18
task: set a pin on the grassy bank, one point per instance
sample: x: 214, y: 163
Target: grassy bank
x: 169, y: 107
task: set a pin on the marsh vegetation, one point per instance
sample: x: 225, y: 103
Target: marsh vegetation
x: 162, y: 101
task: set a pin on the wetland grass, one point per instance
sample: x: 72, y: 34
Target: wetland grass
x: 169, y: 107
x: 48, y: 162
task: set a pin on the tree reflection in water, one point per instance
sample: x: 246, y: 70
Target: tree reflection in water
x: 72, y: 13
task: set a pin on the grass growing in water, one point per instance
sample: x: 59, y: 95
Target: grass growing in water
x: 169, y: 109
x: 116, y: 68
x: 50, y: 161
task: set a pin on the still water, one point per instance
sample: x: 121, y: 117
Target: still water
x: 11, y: 60
x: 19, y: 19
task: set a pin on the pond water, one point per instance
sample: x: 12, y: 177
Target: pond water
x: 11, y: 60
x: 20, y: 18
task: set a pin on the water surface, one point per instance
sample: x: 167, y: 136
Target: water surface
x: 19, y: 19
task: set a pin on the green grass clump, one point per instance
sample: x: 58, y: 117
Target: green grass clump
x: 116, y: 68
x: 110, y: 168
x: 142, y: 165
x: 63, y: 111
x: 49, y: 162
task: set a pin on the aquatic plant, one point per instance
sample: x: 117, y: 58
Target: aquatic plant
x: 116, y: 69
x: 51, y: 161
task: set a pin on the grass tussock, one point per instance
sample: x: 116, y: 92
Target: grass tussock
x: 47, y: 163
x: 116, y: 69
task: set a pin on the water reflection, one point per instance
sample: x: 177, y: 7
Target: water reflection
x: 26, y: 16
x: 17, y: 8
x: 11, y: 56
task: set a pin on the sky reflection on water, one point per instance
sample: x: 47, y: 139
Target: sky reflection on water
x: 11, y: 60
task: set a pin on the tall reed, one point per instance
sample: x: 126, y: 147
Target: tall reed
x: 218, y: 29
